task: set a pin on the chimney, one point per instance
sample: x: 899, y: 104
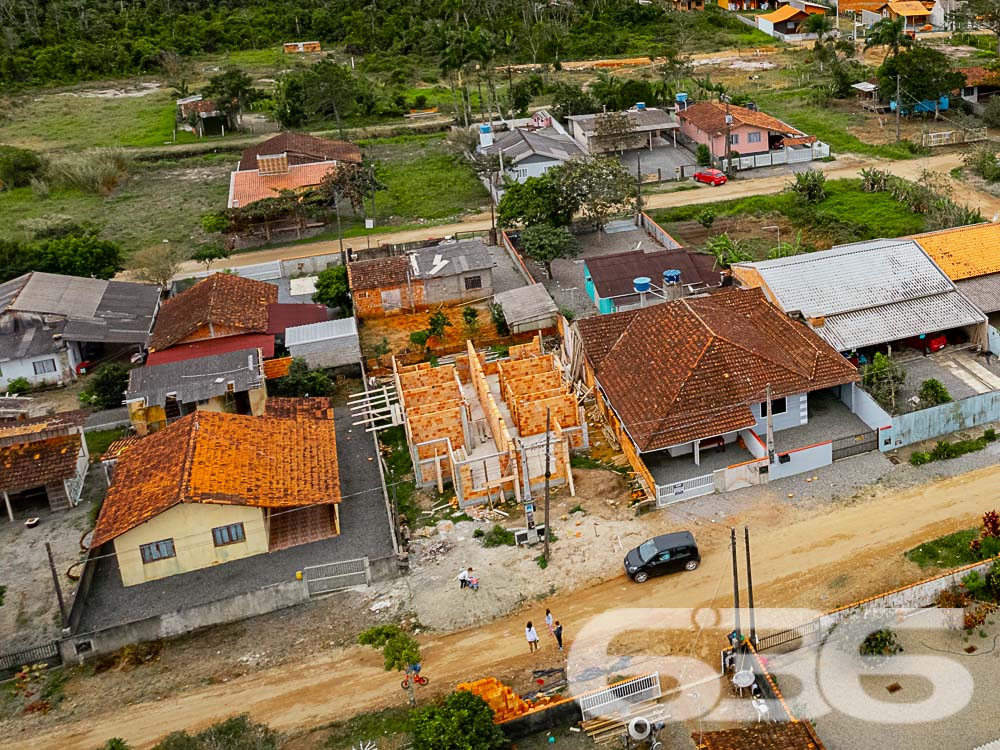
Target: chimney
x: 485, y: 135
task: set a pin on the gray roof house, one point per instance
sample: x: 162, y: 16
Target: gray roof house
x: 528, y: 308
x: 530, y: 150
x: 229, y: 382
x: 866, y: 293
x: 50, y: 323
x: 333, y: 343
x: 651, y: 127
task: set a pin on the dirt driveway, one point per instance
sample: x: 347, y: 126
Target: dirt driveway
x: 819, y: 558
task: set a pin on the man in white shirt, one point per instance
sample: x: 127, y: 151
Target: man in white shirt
x: 463, y: 578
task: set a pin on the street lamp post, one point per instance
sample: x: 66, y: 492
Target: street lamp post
x: 779, y: 234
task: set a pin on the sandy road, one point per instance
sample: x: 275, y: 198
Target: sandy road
x: 817, y: 559
x: 845, y: 166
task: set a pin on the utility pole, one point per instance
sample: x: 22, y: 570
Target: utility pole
x: 770, y: 428
x: 55, y: 580
x: 548, y: 473
x: 753, y: 625
x: 729, y: 126
x: 897, y: 107
x: 638, y: 185
x: 736, y: 587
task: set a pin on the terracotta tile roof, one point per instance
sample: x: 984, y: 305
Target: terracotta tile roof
x: 119, y: 446
x: 28, y: 465
x: 908, y: 8
x: 979, y: 76
x: 228, y: 459
x: 784, y: 13
x: 799, y: 140
x: 964, y: 252
x: 780, y: 736
x: 15, y: 431
x: 223, y: 299
x: 299, y: 408
x: 710, y: 117
x: 856, y: 6
x: 277, y: 368
x: 246, y: 187
x: 613, y: 275
x: 301, y: 149
x: 378, y: 273
x: 712, y: 357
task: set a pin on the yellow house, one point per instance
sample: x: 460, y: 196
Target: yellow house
x: 215, y: 487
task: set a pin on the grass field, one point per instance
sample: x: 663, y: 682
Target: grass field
x: 949, y: 551
x: 846, y: 215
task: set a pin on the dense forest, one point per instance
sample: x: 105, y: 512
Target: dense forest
x: 50, y: 41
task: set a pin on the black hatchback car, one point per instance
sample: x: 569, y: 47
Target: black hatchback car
x: 662, y: 554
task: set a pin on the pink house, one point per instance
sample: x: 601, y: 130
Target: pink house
x: 750, y: 132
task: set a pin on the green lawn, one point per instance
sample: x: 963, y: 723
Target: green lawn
x: 846, y: 215
x: 98, y: 442
x: 161, y: 201
x: 827, y: 124
x: 949, y: 551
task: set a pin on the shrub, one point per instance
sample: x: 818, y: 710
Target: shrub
x: 810, y: 185
x: 18, y: 386
x: 991, y: 114
x: 990, y: 435
x: 19, y: 167
x: 478, y: 534
x: 933, y: 392
x: 237, y: 732
x: 419, y: 338
x: 96, y: 170
x: 300, y: 381
x: 470, y: 320
x: 920, y: 458
x: 706, y: 217
x: 463, y: 721
x: 116, y: 743
x: 106, y: 387
x: 703, y: 155
x: 982, y: 161
x: 975, y: 584
x: 332, y: 289
x: 498, y: 536
x: 883, y: 378
x: 499, y: 321
x: 880, y: 643
x: 437, y: 323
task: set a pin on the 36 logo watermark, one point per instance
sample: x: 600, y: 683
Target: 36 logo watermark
x: 826, y: 672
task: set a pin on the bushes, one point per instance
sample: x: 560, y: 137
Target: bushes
x: 810, y: 185
x: 498, y: 536
x: 18, y: 167
x: 882, y: 379
x: 982, y: 160
x: 18, y: 386
x: 499, y: 320
x: 237, y: 733
x: 106, y: 387
x: 96, y: 170
x: 932, y: 392
x: 703, y: 155
x: 300, y: 381
x: 945, y: 450
x: 880, y: 643
x: 463, y: 721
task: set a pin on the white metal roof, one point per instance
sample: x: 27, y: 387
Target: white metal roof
x: 865, y: 86
x: 312, y: 332
x: 868, y: 292
x: 526, y: 304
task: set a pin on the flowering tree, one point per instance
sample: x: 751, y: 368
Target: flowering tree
x: 598, y: 186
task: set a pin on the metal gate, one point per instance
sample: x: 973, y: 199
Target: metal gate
x: 854, y: 445
x: 620, y: 697
x: 803, y: 635
x: 10, y: 664
x: 325, y: 579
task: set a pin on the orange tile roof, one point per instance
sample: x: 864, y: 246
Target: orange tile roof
x: 223, y: 299
x: 246, y: 187
x: 301, y: 149
x: 712, y: 357
x: 784, y: 13
x: 227, y: 459
x: 378, y: 273
x: 710, y: 117
x: 277, y: 368
x: 964, y: 252
x: 908, y: 8
x: 30, y: 465
x: 119, y: 446
x: 299, y: 408
x: 980, y: 76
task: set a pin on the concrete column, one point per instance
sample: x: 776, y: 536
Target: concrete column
x: 10, y: 511
x: 697, y: 453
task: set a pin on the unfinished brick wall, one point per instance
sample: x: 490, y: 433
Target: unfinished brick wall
x: 522, y: 351
x: 531, y: 414
x: 368, y: 302
x: 434, y: 426
x: 432, y: 394
x: 423, y: 375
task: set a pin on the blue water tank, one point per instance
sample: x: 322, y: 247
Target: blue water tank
x: 672, y: 276
x: 641, y: 283
x: 486, y: 128
x: 681, y: 97
x: 640, y: 106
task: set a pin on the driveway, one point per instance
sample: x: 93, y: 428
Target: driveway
x: 662, y: 161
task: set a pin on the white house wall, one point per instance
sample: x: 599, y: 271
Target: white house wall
x: 25, y: 368
x: 533, y: 166
x: 796, y: 414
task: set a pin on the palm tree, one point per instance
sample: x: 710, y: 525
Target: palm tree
x: 822, y: 27
x: 890, y: 34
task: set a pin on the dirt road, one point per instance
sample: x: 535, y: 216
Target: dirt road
x: 845, y: 166
x: 818, y: 559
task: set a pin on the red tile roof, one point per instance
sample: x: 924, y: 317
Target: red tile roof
x: 277, y: 368
x: 208, y: 347
x: 227, y: 459
x: 119, y: 446
x: 779, y: 736
x: 710, y: 117
x: 979, y: 76
x: 282, y: 316
x: 299, y: 408
x: 246, y: 187
x: 223, y: 299
x: 378, y: 273
x: 301, y: 149
x: 27, y: 465
x: 690, y: 369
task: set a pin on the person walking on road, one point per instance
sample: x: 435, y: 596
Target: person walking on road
x: 532, y: 636
x: 548, y: 620
x: 557, y: 632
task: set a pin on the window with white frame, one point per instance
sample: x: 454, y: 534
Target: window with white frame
x: 229, y: 534
x: 753, y: 137
x: 734, y: 139
x: 44, y: 366
x: 161, y: 550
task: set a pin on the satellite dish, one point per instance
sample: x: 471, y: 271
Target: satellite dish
x: 639, y: 728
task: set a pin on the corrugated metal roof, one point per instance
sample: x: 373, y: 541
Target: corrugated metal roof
x: 331, y: 329
x: 196, y: 379
x: 520, y: 143
x: 211, y: 347
x: 52, y: 294
x: 448, y: 259
x: 526, y: 304
x: 982, y: 291
x: 852, y: 277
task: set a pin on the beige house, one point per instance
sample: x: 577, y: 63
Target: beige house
x: 214, y: 487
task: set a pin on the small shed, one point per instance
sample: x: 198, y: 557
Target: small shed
x: 528, y: 308
x: 333, y: 343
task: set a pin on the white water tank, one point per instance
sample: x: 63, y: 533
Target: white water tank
x: 485, y: 135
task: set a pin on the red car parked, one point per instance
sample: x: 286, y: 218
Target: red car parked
x: 711, y: 177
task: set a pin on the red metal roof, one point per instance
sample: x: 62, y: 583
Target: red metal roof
x: 262, y: 341
x: 282, y: 315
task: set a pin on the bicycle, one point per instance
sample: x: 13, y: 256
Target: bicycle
x: 413, y: 671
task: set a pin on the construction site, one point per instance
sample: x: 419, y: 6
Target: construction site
x: 483, y: 423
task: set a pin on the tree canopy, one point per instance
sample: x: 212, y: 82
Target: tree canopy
x: 463, y: 722
x: 546, y: 243
x: 924, y: 74
x: 332, y: 288
x: 79, y: 253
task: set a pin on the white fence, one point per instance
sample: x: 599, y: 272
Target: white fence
x: 618, y: 699
x: 667, y: 494
x: 657, y: 232
x: 324, y: 579
x: 952, y: 137
x: 790, y: 155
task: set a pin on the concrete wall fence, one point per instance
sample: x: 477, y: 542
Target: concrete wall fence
x: 801, y: 460
x: 868, y: 411
x: 657, y: 232
x: 945, y: 418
